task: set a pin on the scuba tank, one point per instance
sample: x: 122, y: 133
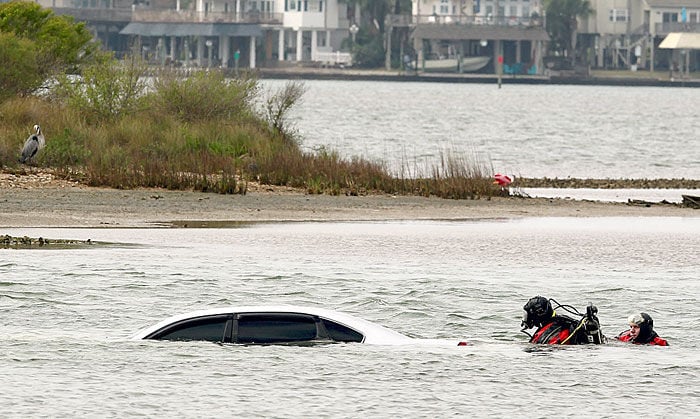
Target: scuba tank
x: 591, y: 325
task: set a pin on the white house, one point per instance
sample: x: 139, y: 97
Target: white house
x: 222, y: 33
x: 510, y: 32
x: 627, y: 33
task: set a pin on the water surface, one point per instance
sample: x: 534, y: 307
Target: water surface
x: 68, y: 315
x: 528, y: 130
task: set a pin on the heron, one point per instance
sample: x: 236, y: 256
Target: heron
x: 34, y: 143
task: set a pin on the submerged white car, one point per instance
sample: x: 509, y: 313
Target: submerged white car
x: 277, y: 325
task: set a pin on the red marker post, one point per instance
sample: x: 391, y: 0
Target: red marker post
x: 500, y: 69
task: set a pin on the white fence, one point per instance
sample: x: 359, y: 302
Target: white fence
x: 335, y: 58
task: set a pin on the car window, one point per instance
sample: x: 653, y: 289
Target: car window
x: 341, y: 333
x: 211, y: 328
x: 275, y: 328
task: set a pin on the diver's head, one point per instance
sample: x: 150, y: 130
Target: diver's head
x: 537, y: 311
x: 641, y: 327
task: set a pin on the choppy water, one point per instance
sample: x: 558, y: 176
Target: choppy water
x: 67, y: 316
x: 526, y: 130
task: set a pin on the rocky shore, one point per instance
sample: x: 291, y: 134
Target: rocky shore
x: 24, y: 242
x: 40, y: 178
x: 609, y: 183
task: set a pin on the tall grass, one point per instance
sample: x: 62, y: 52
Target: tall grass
x: 202, y: 133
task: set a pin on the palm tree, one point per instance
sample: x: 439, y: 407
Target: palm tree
x: 369, y: 50
x: 562, y: 24
x: 376, y: 10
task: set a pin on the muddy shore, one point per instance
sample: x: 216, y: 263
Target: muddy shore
x: 43, y: 201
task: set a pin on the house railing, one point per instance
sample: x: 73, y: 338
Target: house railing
x: 642, y: 29
x: 95, y: 14
x: 138, y: 14
x: 398, y: 20
x: 479, y: 20
x: 193, y: 16
x: 667, y: 27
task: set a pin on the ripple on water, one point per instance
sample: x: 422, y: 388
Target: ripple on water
x: 67, y: 321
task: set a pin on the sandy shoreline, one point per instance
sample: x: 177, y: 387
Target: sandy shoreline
x: 71, y: 205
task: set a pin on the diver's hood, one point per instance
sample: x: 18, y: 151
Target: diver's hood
x: 646, y: 326
x: 536, y: 311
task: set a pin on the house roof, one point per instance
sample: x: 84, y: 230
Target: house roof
x: 191, y: 29
x: 489, y: 32
x: 681, y: 40
x: 689, y: 4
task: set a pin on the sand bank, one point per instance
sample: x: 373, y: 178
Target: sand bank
x: 71, y: 205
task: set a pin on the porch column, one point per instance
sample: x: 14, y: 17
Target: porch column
x: 498, y: 52
x: 173, y: 48
x: 238, y: 10
x: 200, y: 50
x: 300, y: 41
x: 651, y: 48
x: 418, y: 47
x: 314, y: 42
x: 224, y: 48
x: 252, y: 52
x: 538, y: 60
x: 280, y: 45
x: 518, y: 51
x: 186, y: 47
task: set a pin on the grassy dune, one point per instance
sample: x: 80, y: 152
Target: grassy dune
x: 204, y: 133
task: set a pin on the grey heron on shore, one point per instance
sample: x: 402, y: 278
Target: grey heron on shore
x: 34, y: 143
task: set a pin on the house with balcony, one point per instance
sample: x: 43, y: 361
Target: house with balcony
x: 669, y: 16
x: 626, y: 33
x: 510, y: 33
x: 217, y: 33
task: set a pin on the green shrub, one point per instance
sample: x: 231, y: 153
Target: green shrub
x: 106, y: 89
x: 203, y: 96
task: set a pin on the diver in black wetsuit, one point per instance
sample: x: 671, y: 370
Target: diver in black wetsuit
x: 555, y: 329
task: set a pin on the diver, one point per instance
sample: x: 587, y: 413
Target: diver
x: 556, y: 329
x: 641, y: 331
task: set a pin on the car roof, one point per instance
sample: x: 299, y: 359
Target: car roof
x: 373, y: 333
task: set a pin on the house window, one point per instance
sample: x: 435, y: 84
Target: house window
x: 444, y: 7
x: 693, y: 17
x: 513, y: 11
x: 526, y: 11
x: 669, y: 17
x: 618, y: 15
